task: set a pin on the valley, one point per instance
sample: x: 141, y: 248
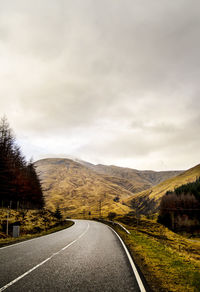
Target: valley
x: 80, y: 188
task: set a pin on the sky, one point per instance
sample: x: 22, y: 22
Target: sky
x: 110, y: 82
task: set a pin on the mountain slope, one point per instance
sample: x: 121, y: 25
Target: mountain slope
x: 77, y: 189
x: 149, y: 200
x: 132, y: 179
x: 80, y: 187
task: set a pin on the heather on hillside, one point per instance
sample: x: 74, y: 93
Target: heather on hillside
x: 180, y: 209
x: 19, y: 183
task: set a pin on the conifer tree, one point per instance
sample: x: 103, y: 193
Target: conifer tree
x: 58, y: 214
x: 19, y: 183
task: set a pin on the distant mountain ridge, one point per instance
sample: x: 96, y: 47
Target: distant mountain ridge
x: 149, y: 177
x: 79, y: 187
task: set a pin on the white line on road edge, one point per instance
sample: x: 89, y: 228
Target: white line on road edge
x: 40, y: 264
x: 28, y: 240
x: 139, y: 281
x: 126, y: 230
x: 116, y: 223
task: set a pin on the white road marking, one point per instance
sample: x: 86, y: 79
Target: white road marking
x: 43, y: 262
x: 28, y: 240
x: 126, y: 230
x: 137, y: 276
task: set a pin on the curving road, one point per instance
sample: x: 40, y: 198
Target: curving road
x: 85, y: 257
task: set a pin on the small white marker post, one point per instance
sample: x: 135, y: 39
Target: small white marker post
x: 7, y: 222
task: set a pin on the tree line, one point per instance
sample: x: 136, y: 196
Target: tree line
x: 180, y: 209
x: 19, y: 184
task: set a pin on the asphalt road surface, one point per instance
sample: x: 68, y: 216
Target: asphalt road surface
x: 85, y: 257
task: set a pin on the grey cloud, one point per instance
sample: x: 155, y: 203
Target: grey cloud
x: 128, y: 68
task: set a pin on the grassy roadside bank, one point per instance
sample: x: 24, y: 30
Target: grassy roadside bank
x: 33, y: 223
x: 168, y: 261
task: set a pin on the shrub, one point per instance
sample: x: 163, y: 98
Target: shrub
x: 58, y: 214
x: 112, y: 215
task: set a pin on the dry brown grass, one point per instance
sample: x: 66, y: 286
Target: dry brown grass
x: 77, y: 187
x: 33, y: 223
x: 78, y: 190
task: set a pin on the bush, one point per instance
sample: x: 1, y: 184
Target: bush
x: 112, y: 215
x: 116, y: 199
x: 58, y: 214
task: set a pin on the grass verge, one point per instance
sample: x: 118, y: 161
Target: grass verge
x: 168, y: 261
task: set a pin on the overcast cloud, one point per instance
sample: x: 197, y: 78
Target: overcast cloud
x: 113, y: 82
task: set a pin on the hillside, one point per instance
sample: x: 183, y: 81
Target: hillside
x: 132, y: 179
x: 81, y: 187
x: 79, y: 190
x: 149, y: 200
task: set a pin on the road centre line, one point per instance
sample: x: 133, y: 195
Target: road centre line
x: 43, y: 262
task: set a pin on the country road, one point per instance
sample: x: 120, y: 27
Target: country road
x: 85, y: 257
